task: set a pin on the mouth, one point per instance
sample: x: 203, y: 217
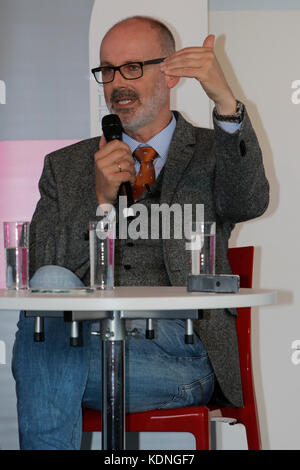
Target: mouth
x: 124, y: 102
x: 123, y: 99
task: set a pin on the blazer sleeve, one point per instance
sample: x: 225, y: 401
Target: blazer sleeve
x: 241, y: 188
x: 44, y: 223
x: 57, y: 238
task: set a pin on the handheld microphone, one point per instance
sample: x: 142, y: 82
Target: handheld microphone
x: 112, y: 129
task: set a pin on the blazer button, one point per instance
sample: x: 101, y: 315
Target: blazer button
x: 127, y: 267
x: 243, y: 148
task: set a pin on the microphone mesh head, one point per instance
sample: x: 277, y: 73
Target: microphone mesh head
x: 112, y: 127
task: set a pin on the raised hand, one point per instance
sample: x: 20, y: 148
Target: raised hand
x: 201, y: 63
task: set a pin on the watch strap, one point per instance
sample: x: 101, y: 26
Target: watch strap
x: 237, y: 117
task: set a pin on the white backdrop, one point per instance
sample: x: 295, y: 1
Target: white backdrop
x: 259, y: 53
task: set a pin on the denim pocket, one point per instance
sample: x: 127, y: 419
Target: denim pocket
x: 196, y: 393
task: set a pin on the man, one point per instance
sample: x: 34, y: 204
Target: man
x: 221, y: 169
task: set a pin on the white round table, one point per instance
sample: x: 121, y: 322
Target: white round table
x: 132, y: 298
x: 112, y: 308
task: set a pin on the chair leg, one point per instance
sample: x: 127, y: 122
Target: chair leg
x: 253, y: 434
x: 248, y: 417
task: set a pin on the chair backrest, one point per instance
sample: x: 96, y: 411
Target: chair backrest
x: 241, y: 261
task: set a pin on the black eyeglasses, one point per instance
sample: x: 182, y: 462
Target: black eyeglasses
x: 129, y: 71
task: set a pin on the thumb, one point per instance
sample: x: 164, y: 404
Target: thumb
x: 102, y: 142
x: 209, y: 41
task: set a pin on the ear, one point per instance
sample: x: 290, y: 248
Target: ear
x: 171, y: 81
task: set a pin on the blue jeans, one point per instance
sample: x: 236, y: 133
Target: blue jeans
x: 54, y: 380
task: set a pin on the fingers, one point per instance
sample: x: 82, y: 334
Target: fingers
x: 190, y: 62
x: 113, y: 152
x: 114, y: 165
x: 121, y: 171
x: 112, y: 160
x: 186, y: 53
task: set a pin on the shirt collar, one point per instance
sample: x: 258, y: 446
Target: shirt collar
x: 160, y: 142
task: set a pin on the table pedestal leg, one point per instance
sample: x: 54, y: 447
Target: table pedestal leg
x: 113, y: 383
x: 39, y: 335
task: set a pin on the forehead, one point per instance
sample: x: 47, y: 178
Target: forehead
x: 130, y: 41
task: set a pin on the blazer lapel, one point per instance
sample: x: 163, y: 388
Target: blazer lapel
x: 179, y: 156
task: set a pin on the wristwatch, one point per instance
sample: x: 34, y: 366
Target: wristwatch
x: 237, y: 117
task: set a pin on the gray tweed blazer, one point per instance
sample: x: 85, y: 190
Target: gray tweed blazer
x: 222, y: 171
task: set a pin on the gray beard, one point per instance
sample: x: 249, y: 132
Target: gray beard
x: 142, y: 118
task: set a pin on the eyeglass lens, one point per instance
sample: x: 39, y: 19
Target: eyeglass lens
x: 128, y: 71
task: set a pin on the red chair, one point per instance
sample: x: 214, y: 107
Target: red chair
x: 241, y: 261
x: 196, y: 419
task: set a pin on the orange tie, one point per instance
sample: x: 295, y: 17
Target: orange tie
x: 146, y: 174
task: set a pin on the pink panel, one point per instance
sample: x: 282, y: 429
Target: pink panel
x: 21, y: 164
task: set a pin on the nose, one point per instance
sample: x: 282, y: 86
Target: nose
x: 118, y: 79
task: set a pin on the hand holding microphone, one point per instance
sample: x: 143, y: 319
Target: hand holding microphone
x: 114, y: 164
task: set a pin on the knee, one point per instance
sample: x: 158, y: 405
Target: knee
x: 54, y: 277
